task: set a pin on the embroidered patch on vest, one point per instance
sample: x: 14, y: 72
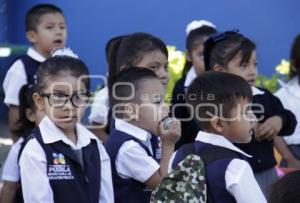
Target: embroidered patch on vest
x: 59, y: 170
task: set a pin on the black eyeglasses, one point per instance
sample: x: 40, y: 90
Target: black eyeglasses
x: 210, y: 43
x: 78, y: 99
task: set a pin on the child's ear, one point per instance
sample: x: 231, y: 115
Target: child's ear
x: 188, y: 56
x: 39, y: 101
x: 130, y: 111
x: 31, y: 36
x: 216, y: 124
x: 217, y: 67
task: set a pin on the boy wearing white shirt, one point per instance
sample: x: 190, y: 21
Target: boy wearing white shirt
x: 138, y: 164
x: 222, y: 108
x: 45, y: 30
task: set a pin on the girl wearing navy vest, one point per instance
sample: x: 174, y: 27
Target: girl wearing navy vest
x: 29, y: 118
x: 62, y: 161
x: 136, y: 49
x: 197, y: 32
x: 138, y: 107
x: 234, y: 53
x: 222, y: 107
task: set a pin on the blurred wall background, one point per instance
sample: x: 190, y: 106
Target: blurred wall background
x: 272, y: 24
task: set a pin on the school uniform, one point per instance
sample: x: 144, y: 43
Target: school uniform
x: 228, y: 180
x: 189, y: 129
x: 22, y: 72
x: 53, y: 169
x: 289, y: 95
x: 11, y: 170
x: 135, y: 154
x: 263, y: 160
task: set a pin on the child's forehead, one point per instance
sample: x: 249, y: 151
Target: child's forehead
x: 64, y: 81
x: 50, y: 17
x: 150, y: 86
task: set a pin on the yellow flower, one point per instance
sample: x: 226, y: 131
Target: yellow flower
x: 283, y: 68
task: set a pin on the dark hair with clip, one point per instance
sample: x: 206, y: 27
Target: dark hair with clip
x: 134, y: 76
x: 53, y: 66
x: 193, y: 39
x: 216, y: 89
x: 24, y: 125
x: 221, y: 48
x: 33, y: 16
x: 129, y: 50
x: 295, y: 58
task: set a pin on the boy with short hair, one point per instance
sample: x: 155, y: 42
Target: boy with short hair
x: 138, y: 163
x: 222, y: 109
x: 45, y: 30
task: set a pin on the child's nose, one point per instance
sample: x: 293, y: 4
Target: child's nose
x: 69, y: 105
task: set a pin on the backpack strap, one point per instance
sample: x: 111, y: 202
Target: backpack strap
x: 209, y: 155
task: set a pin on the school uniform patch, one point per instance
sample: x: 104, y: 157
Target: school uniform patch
x: 59, y: 170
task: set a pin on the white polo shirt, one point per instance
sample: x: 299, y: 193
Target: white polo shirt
x: 16, y: 77
x: 132, y: 160
x: 100, y: 107
x: 11, y: 170
x: 289, y: 95
x: 33, y: 164
x: 190, y: 77
x: 239, y: 178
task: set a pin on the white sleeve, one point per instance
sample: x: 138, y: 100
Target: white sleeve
x: 100, y: 107
x: 171, y: 162
x: 11, y: 171
x: 33, y: 168
x: 132, y: 161
x: 14, y: 80
x: 106, y: 188
x: 241, y: 184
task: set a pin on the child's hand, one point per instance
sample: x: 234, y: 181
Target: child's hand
x: 169, y: 131
x: 268, y: 129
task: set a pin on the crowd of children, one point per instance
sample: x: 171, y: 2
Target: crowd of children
x: 136, y: 138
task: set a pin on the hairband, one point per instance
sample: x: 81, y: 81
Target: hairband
x: 63, y: 52
x: 195, y: 24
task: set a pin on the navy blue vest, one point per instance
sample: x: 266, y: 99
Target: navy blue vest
x: 31, y: 67
x: 69, y: 181
x: 128, y: 190
x: 215, y: 168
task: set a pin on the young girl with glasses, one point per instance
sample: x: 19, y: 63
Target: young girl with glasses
x: 63, y: 161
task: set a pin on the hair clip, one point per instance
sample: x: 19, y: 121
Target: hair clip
x: 195, y: 24
x: 212, y: 41
x: 63, y: 52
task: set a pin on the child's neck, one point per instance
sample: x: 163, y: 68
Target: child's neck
x: 44, y: 54
x: 72, y: 136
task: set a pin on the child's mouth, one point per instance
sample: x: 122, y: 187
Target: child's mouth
x: 59, y: 42
x: 252, y: 82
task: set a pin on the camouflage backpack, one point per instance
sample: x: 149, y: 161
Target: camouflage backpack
x: 187, y: 181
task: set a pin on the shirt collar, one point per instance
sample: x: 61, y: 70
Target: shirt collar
x: 190, y: 76
x: 51, y: 133
x: 256, y: 91
x: 35, y: 55
x: 132, y: 130
x: 218, y: 140
x: 293, y: 87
